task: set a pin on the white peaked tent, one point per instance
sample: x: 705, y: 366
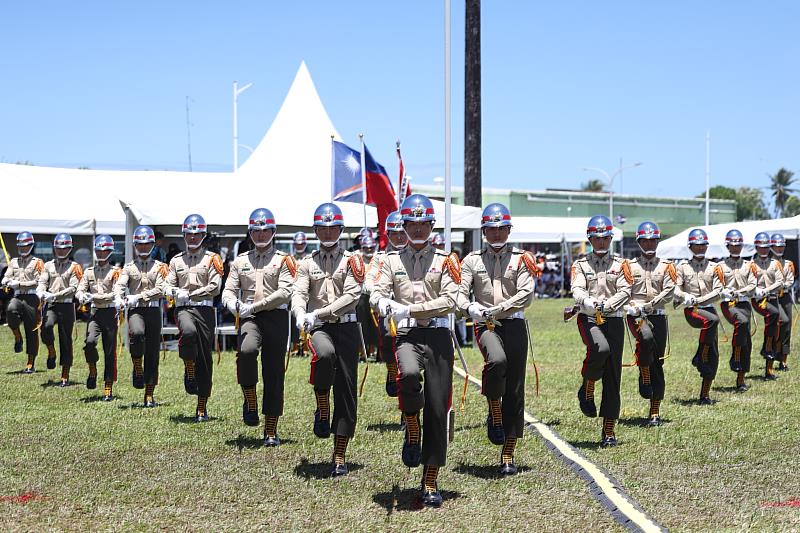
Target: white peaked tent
x: 552, y: 229
x: 676, y: 246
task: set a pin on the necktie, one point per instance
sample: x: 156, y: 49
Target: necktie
x: 701, y: 281
x: 328, y: 266
x: 418, y: 279
x: 259, y: 293
x: 497, y: 276
x: 648, y: 281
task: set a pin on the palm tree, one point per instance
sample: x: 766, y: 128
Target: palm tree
x: 781, y: 186
x: 594, y: 185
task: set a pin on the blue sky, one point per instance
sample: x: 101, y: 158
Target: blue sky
x: 565, y: 85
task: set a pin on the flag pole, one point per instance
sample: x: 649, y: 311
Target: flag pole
x: 400, y: 192
x: 708, y: 176
x: 363, y: 177
x: 333, y: 168
x: 447, y: 125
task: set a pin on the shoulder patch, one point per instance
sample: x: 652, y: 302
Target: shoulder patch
x: 720, y: 274
x: 77, y: 271
x: 393, y: 252
x: 39, y: 266
x: 216, y: 262
x: 626, y: 271
x: 356, y: 264
x: 115, y: 273
x: 243, y: 254
x: 530, y: 263
x: 453, y: 266
x: 163, y: 270
x: 291, y: 264
x: 672, y: 272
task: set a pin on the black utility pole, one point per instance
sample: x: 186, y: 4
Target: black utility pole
x: 472, y: 111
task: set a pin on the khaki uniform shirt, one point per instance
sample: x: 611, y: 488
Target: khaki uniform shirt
x: 788, y: 274
x: 144, y: 279
x: 198, y: 272
x: 770, y: 273
x: 425, y: 280
x: 300, y: 256
x: 373, y: 270
x: 26, y: 270
x: 702, y: 279
x: 740, y: 276
x: 61, y: 278
x: 328, y: 285
x: 498, y: 279
x: 99, y: 281
x: 263, y: 279
x: 605, y: 278
x: 653, y: 282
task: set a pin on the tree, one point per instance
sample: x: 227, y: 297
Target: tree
x: 781, y: 186
x: 749, y: 201
x: 593, y: 185
x: 792, y: 207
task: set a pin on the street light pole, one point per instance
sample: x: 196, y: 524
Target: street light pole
x: 236, y: 92
x: 610, y: 181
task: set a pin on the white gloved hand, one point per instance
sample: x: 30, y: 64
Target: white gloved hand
x: 399, y: 311
x: 181, y: 297
x: 132, y: 300
x: 383, y: 306
x: 169, y: 291
x: 475, y: 311
x: 86, y: 298
x: 12, y: 284
x: 299, y: 319
x: 119, y: 303
x: 633, y: 310
x: 49, y: 297
x: 589, y: 305
x: 309, y: 320
x: 760, y: 293
x: 41, y: 294
x: 245, y: 310
x: 727, y: 294
x: 689, y: 300
x: 231, y: 307
x: 4, y: 283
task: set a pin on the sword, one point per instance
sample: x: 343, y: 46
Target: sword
x: 533, y: 358
x: 366, y: 361
x: 288, y: 338
x: 463, y: 364
x: 8, y: 258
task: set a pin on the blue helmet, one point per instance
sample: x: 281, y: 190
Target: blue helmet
x: 144, y: 235
x: 697, y: 236
x: 417, y: 208
x: 62, y: 240
x: 648, y: 230
x: 262, y: 219
x: 367, y: 242
x: 777, y: 239
x: 761, y: 240
x: 495, y: 216
x: 599, y: 226
x: 394, y: 222
x: 25, y: 238
x: 103, y: 242
x: 328, y: 214
x: 194, y: 224
x: 299, y: 238
x: 734, y: 238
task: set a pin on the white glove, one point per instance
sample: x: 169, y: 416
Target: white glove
x: 41, y: 294
x: 245, y: 310
x: 132, y: 300
x: 169, y: 291
x: 727, y: 294
x: 181, y: 297
x: 475, y: 311
x: 309, y: 320
x: 633, y: 310
x: 689, y: 300
x: 760, y: 293
x: 49, y: 297
x: 589, y: 305
x: 86, y: 298
x: 12, y: 284
x: 4, y: 283
x: 399, y: 311
x: 383, y: 306
x: 119, y: 303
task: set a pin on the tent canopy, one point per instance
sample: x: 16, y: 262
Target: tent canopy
x: 551, y: 229
x: 676, y: 246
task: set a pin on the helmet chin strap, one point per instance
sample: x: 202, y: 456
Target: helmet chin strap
x: 264, y: 245
x: 497, y: 245
x: 700, y: 256
x: 329, y: 244
x: 777, y: 254
x: 600, y: 251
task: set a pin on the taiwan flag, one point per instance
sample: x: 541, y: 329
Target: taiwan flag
x: 347, y: 185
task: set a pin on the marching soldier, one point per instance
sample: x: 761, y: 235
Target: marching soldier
x: 785, y: 297
x: 417, y: 289
x: 257, y: 292
x: 770, y: 283
x: 193, y: 281
x: 700, y: 283
x: 22, y: 276
x: 366, y: 317
x: 601, y: 286
x: 300, y: 243
x: 653, y: 284
x: 97, y: 288
x: 501, y: 278
x: 398, y: 240
x: 437, y: 241
x: 740, y: 282
x: 324, y: 302
x: 139, y: 289
x: 58, y: 283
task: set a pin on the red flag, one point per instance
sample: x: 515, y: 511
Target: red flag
x: 380, y: 193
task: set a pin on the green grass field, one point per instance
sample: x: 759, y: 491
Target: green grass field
x: 90, y: 465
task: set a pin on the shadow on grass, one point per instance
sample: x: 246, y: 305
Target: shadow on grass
x: 691, y: 402
x: 22, y: 372
x: 98, y: 398
x: 467, y: 428
x: 484, y: 471
x: 761, y: 378
x: 586, y: 444
x: 406, y: 499
x: 50, y: 383
x: 640, y: 421
x: 552, y: 423
x: 187, y: 419
x: 243, y: 442
x: 140, y: 405
x: 724, y: 389
x: 322, y: 470
x: 385, y: 427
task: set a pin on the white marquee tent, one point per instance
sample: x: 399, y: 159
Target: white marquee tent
x: 676, y: 246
